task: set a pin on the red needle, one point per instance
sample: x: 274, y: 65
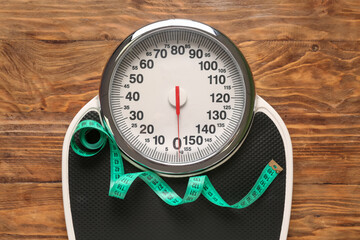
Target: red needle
x: 177, y: 96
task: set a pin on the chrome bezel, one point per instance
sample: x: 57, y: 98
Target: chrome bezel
x: 212, y: 161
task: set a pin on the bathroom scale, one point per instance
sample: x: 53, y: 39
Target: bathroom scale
x: 177, y: 145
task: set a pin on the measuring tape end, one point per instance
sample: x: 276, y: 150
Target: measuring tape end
x: 275, y: 166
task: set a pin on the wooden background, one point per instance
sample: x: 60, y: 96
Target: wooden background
x: 305, y: 57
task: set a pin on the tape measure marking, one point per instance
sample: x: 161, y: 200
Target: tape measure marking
x: 121, y: 182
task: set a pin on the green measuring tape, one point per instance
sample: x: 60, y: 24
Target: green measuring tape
x: 121, y: 182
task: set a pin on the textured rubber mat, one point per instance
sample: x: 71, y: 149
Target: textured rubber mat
x: 142, y: 215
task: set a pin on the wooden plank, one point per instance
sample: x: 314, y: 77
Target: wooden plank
x: 31, y: 211
x: 39, y: 76
x: 245, y: 20
x: 52, y: 77
x: 314, y: 86
x: 330, y: 212
x: 34, y: 211
x: 307, y: 77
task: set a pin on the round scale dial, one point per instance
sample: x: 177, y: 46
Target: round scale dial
x: 178, y: 97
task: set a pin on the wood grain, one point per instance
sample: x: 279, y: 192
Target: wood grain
x: 325, y: 212
x: 31, y: 211
x: 241, y: 20
x: 305, y: 57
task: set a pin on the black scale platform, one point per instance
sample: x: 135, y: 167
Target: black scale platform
x: 143, y: 215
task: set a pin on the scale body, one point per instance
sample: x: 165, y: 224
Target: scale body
x: 91, y: 214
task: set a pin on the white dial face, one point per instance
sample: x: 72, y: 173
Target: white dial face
x: 177, y: 96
